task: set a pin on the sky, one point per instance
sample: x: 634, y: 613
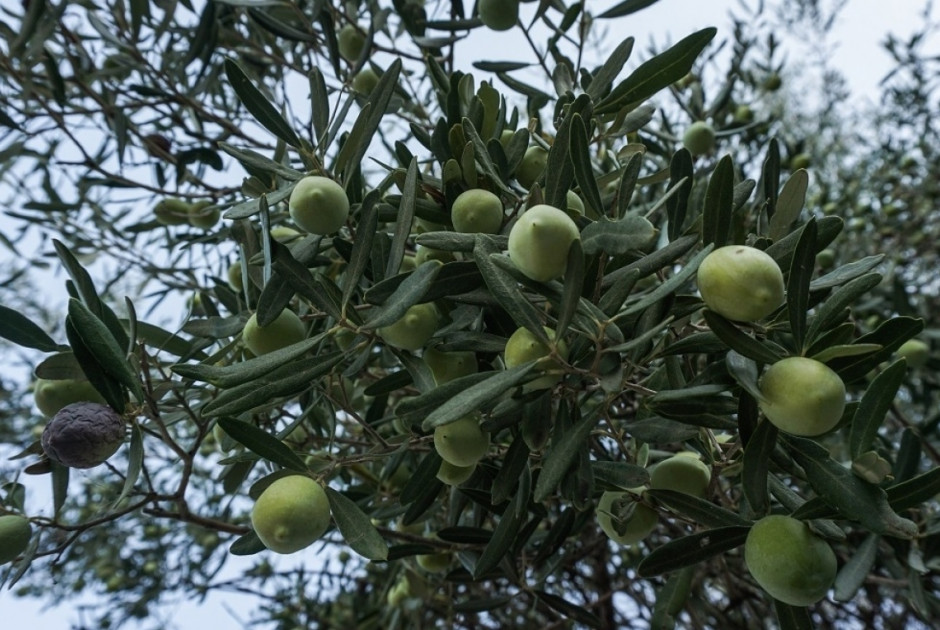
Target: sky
x: 858, y: 34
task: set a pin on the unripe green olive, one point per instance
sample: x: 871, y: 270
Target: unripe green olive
x: 773, y: 82
x: 532, y: 166
x: 800, y: 160
x: 699, y: 138
x: 51, y: 395
x: 916, y: 352
x: 826, y: 259
x: 635, y: 527
x: 351, y: 42
x: 461, y: 443
x: 172, y: 211
x: 539, y: 242
x: 234, y: 277
x: 498, y: 15
x: 741, y: 283
x: 15, y: 533
x: 454, y: 475
x: 683, y: 472
x: 434, y: 562
x: 285, y: 330
x: 319, y: 205
x: 397, y: 595
x: 574, y: 203
x: 283, y: 234
x: 743, y: 114
x: 291, y: 514
x: 203, y: 215
x: 477, y: 210
x: 523, y: 346
x: 424, y: 254
x: 447, y: 366
x: 365, y: 81
x: 802, y: 396
x: 789, y: 561
x: 414, y: 329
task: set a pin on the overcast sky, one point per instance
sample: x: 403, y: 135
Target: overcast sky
x: 859, y: 33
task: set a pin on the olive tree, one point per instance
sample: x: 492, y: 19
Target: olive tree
x: 474, y: 348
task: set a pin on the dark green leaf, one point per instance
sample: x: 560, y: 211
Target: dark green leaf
x: 913, y: 492
x: 699, y: 510
x: 719, y: 204
x: 16, y: 327
x: 620, y: 474
x: 572, y: 611
x: 793, y: 617
x: 690, y: 550
x: 262, y: 443
x: 247, y: 545
x: 626, y: 8
x: 740, y: 341
x: 505, y: 534
x: 101, y: 344
x: 801, y: 272
x: 362, y: 247
x: 756, y: 465
x: 843, y: 490
x: 875, y: 403
x: 563, y: 454
x: 831, y: 311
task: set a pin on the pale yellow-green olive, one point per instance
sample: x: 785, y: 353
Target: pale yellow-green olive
x: 462, y: 443
x: 741, y: 283
x: 539, y: 242
x: 285, y: 330
x: 291, y: 514
x: 318, y: 205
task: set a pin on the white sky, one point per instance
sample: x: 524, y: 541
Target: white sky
x: 859, y: 33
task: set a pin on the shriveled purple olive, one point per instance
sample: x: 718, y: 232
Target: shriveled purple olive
x: 83, y: 435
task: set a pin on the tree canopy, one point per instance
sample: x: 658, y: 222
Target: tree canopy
x: 476, y: 345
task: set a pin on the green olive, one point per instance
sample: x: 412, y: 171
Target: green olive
x: 498, y: 15
x: 285, y: 330
x: 477, y: 210
x: 523, y: 346
x: 632, y: 527
x: 461, y: 443
x: 539, y: 242
x: 291, y: 514
x: 699, y: 138
x: 319, y: 205
x: 789, y: 561
x: 414, y: 329
x: 684, y: 473
x: 51, y: 395
x: 802, y: 396
x: 741, y: 283
x: 532, y: 166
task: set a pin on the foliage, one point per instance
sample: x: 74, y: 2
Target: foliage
x: 111, y: 110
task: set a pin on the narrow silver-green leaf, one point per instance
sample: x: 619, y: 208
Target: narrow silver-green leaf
x: 789, y: 205
x: 408, y: 293
x: 135, y: 461
x: 406, y: 214
x: 244, y: 371
x: 476, y: 396
x: 503, y: 537
x: 362, y: 247
x: 853, y: 573
x: 356, y: 527
x: 657, y: 73
x: 258, y: 106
